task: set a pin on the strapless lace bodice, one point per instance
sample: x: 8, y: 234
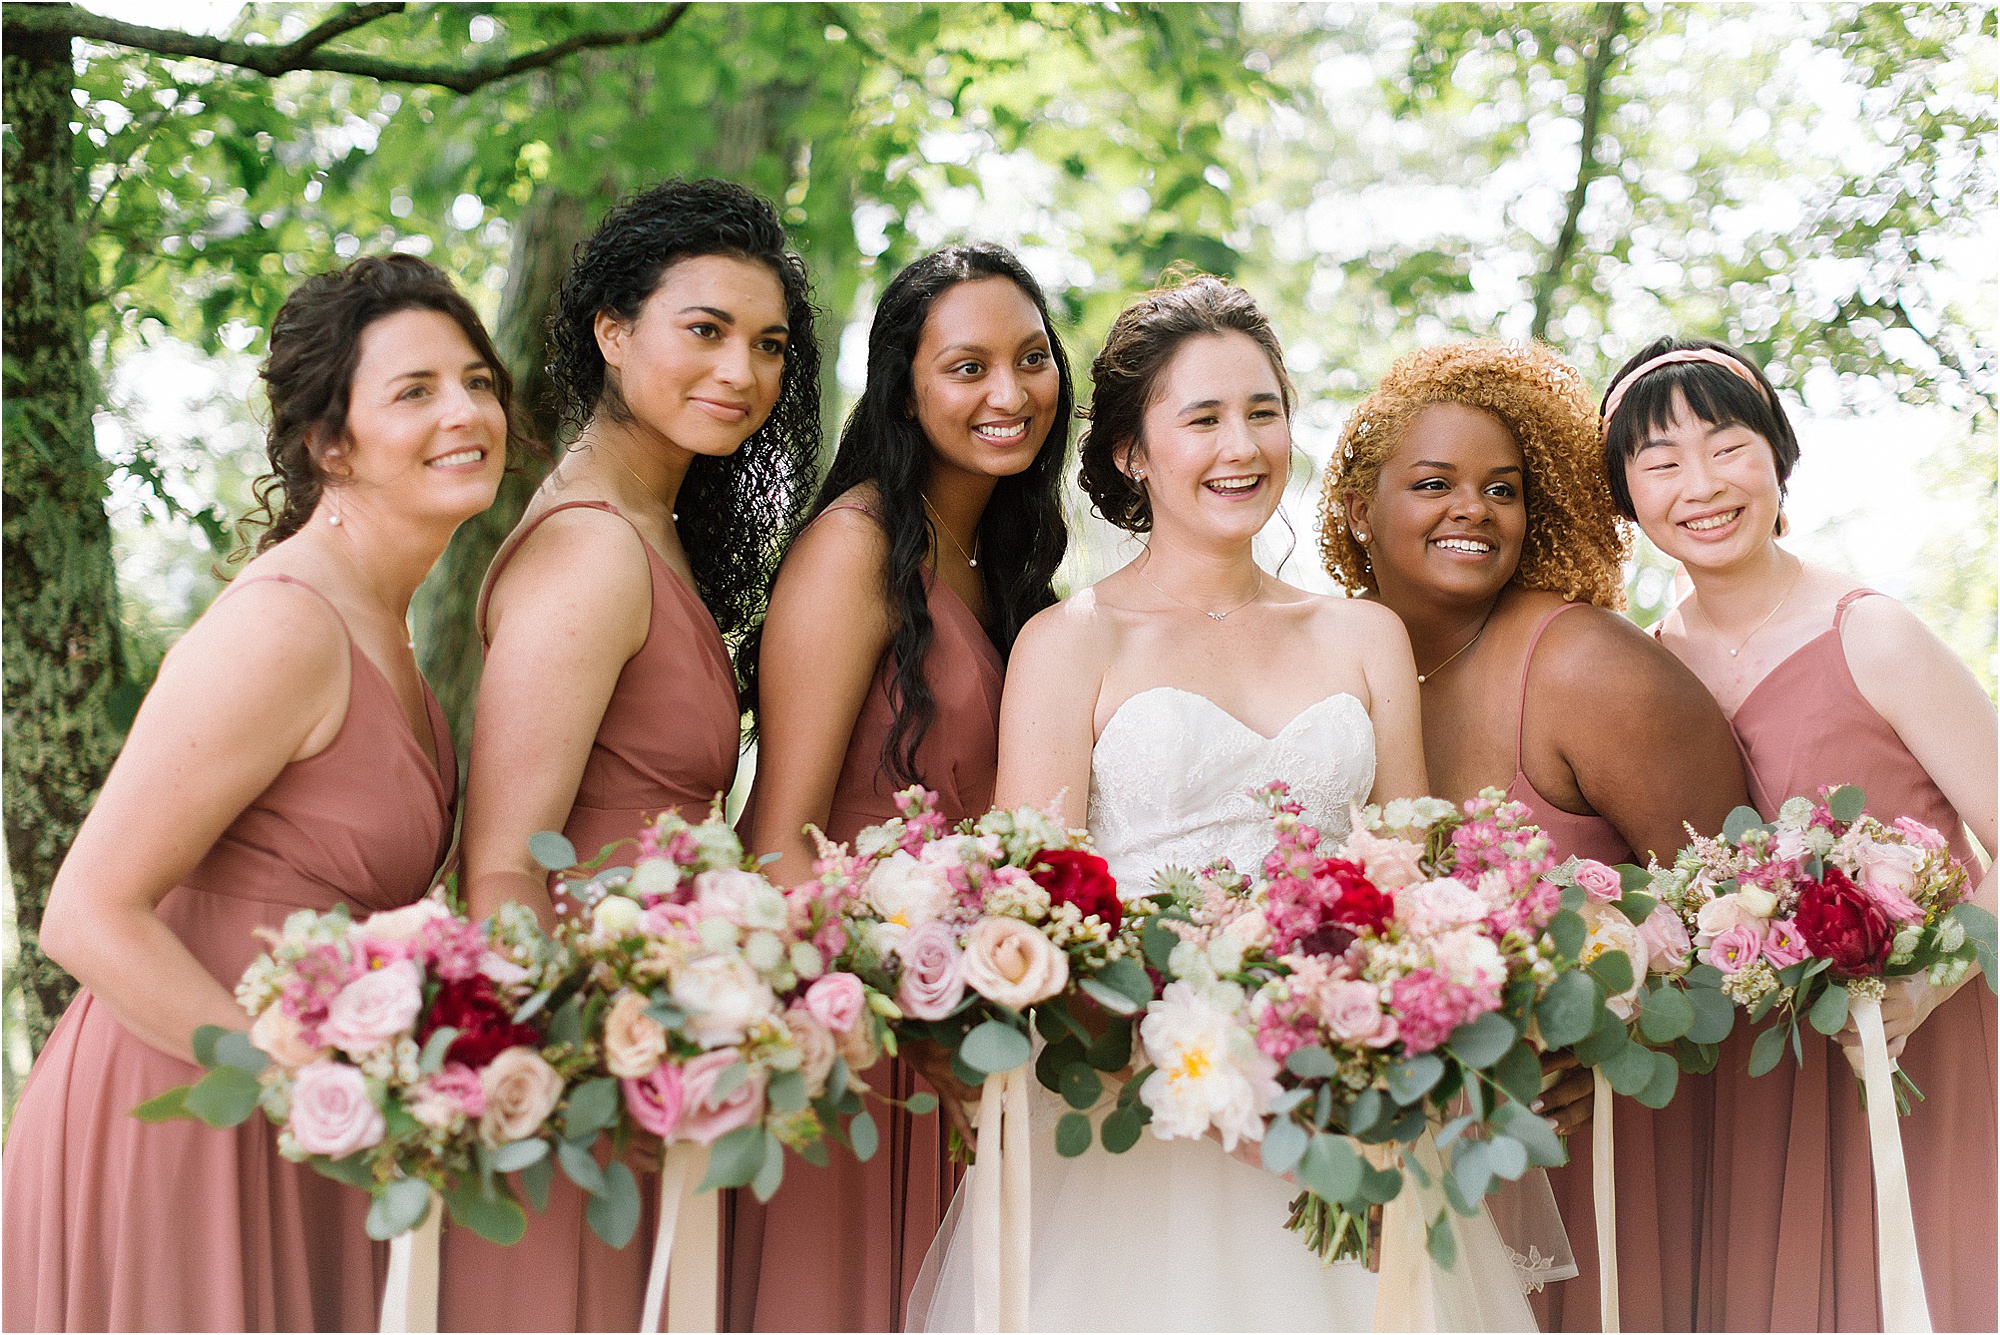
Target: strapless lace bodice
x: 1172, y: 773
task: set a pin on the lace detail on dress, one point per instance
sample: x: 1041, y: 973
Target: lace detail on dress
x: 1172, y: 773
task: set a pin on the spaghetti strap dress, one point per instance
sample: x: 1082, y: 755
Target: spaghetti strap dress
x: 838, y: 1248
x: 668, y: 739
x: 114, y: 1224
x: 1789, y: 1242
x: 1660, y: 1155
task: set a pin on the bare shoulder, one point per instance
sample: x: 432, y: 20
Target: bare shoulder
x: 1355, y: 624
x: 1081, y: 629
x: 845, y: 548
x: 580, y: 562
x: 1596, y: 657
x: 266, y: 627
x: 1884, y: 642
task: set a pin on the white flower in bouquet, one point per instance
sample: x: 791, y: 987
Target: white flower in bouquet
x: 1430, y: 907
x: 1011, y: 963
x: 615, y: 917
x: 875, y: 840
x: 519, y: 1090
x: 1469, y: 957
x: 1208, y: 1070
x: 405, y: 923
x: 906, y: 892
x: 634, y: 1042
x: 723, y: 997
x: 656, y: 877
x: 1608, y: 929
x: 726, y: 893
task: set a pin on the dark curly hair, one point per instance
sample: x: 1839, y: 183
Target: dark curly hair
x: 309, y: 376
x: 1022, y: 535
x: 1574, y: 545
x: 1143, y: 339
x: 1715, y: 394
x: 736, y: 513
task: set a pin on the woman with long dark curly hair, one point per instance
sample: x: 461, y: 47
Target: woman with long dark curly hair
x: 1468, y: 496
x: 935, y: 537
x: 682, y: 352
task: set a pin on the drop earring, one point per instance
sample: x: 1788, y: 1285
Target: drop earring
x: 334, y: 518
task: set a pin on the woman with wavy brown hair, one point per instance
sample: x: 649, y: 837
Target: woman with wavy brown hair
x: 1467, y: 495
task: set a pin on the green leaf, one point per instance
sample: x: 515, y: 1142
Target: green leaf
x: 1482, y: 1042
x: 1568, y: 1011
x: 226, y: 1096
x: 580, y: 1167
x: 1311, y: 1063
x: 1519, y: 1073
x: 1121, y: 1129
x: 735, y: 1158
x: 566, y: 1025
x: 1081, y: 1087
x: 1636, y: 906
x: 836, y: 1080
x: 1714, y: 1015
x: 1567, y: 933
x: 397, y: 1208
x: 727, y: 1082
x: 1409, y: 1080
x: 1631, y: 1070
x: 1829, y: 1013
x: 1128, y: 976
x: 432, y: 1058
x: 994, y: 1047
x: 1536, y: 1133
x: 232, y: 1048
x: 1379, y: 1186
x: 1665, y: 1014
x: 165, y: 1107
x: 593, y: 1106
x: 1613, y: 969
x: 1284, y: 1144
x: 1112, y: 1049
x: 1072, y: 1134
x: 920, y: 1104
x: 613, y: 1214
x: 1764, y: 1005
x: 1697, y: 1058
x: 1453, y: 1129
x: 1605, y: 1042
x: 1574, y: 897
x: 1768, y: 1050
x: 1289, y: 1100
x: 787, y: 1093
x: 1330, y: 1167
x: 354, y: 1169
x: 552, y: 850
x: 1438, y: 1241
x: 863, y: 1136
x: 1703, y: 975
x: 765, y: 1185
x: 1058, y: 1056
x: 1740, y: 822
x: 535, y: 1180
x: 1632, y: 878
x: 1845, y: 803
x: 1507, y: 1156
x: 1981, y: 929
x: 513, y: 1157
x: 1108, y: 997
x: 1472, y: 1170
x: 1159, y: 942
x: 203, y: 1043
x: 498, y: 1217
x: 1659, y: 1091
x: 816, y: 1153
x: 1366, y: 1111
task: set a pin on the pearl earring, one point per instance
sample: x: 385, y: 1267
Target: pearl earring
x: 1361, y: 537
x: 334, y: 518
x: 1138, y: 475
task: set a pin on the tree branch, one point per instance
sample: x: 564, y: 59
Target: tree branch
x: 1587, y: 169
x: 305, y: 54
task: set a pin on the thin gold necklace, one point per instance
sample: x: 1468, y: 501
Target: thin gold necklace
x: 1789, y: 590
x: 1255, y: 593
x: 636, y: 478
x: 1423, y: 677
x: 939, y: 524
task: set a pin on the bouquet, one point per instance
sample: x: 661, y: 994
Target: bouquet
x: 406, y: 1054
x: 1355, y: 998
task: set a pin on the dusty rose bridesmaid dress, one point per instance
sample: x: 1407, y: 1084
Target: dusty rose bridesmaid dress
x: 668, y: 739
x: 1789, y: 1240
x: 1660, y: 1155
x: 838, y: 1248
x: 112, y: 1224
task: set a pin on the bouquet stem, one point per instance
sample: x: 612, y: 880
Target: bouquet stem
x: 1334, y: 1232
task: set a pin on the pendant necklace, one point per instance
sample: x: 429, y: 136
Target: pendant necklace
x: 1789, y: 588
x: 939, y: 525
x: 1212, y: 616
x: 1423, y: 677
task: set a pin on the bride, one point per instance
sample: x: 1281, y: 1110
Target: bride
x: 1166, y: 693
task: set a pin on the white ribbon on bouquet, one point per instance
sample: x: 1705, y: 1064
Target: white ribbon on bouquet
x: 1901, y: 1274
x: 999, y: 1204
x: 1480, y: 1291
x: 410, y: 1298
x: 686, y: 1288
x: 1604, y: 1195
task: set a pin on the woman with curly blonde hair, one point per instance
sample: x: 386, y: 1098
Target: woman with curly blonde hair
x: 1468, y: 495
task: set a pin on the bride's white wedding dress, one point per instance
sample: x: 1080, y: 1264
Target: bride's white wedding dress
x: 1178, y: 1235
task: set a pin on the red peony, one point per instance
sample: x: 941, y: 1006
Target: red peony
x: 1356, y: 902
x: 470, y: 1006
x: 1843, y: 924
x: 1083, y: 879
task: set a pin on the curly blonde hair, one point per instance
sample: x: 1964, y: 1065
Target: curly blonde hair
x: 1575, y: 542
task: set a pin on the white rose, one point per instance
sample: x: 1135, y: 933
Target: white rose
x: 615, y: 917
x: 1757, y: 901
x: 634, y: 1042
x: 1251, y: 929
x: 726, y: 892
x: 656, y: 877
x: 723, y: 997
x: 521, y: 1090
x: 1720, y: 914
x: 405, y: 923
x: 1608, y: 929
x: 906, y: 892
x: 1012, y: 964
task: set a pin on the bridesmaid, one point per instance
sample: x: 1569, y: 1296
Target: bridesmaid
x: 682, y: 353
x: 935, y: 537
x: 288, y: 756
x: 1468, y: 495
x: 1826, y: 683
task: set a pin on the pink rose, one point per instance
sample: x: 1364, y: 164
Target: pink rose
x: 815, y: 1043
x: 931, y: 984
x: 703, y: 1120
x: 379, y: 1005
x: 1733, y: 949
x: 1919, y: 833
x: 281, y: 1037
x: 657, y: 1098
x: 1389, y: 863
x: 1353, y: 1011
x: 1012, y: 963
x: 1786, y: 945
x: 331, y: 1111
x: 442, y: 1100
x: 725, y: 893
x: 1600, y: 882
x: 521, y: 1091
x: 1889, y: 875
x: 1666, y: 939
x: 836, y: 1001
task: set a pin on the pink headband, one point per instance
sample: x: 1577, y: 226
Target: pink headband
x: 1709, y: 355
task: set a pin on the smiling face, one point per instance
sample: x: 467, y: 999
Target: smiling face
x: 1217, y: 444
x: 1447, y: 518
x: 701, y: 365
x: 1707, y: 495
x: 425, y: 430
x: 984, y: 381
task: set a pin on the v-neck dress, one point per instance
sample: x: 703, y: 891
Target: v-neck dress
x: 113, y: 1224
x: 838, y: 1248
x: 668, y: 738
x: 1789, y: 1238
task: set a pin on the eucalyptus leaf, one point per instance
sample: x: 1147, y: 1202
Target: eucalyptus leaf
x: 994, y: 1047
x: 498, y: 1217
x: 1129, y: 977
x: 1159, y: 943
x: 1408, y: 1081
x: 1632, y: 877
x: 1058, y: 1056
x: 233, y: 1048
x: 516, y: 1155
x: 1081, y: 1087
x: 1330, y: 1167
x: 1452, y: 1130
x: 1740, y: 822
x: 165, y: 1107
x: 1507, y: 1156
x: 566, y: 1025
x: 727, y: 1081
x: 1535, y: 1132
x: 735, y: 1158
x: 397, y: 1208
x: 1983, y: 931
x: 552, y: 850
x: 1072, y: 1134
x: 1439, y: 1242
x: 1608, y: 1040
x: 1365, y: 1111
x: 203, y: 1043
x: 354, y: 1169
x: 920, y: 1104
x: 1768, y: 1050
x: 1613, y: 969
x: 1311, y: 1063
x: 1519, y: 1072
x: 1108, y: 997
x: 1659, y: 1091
x: 1637, y: 906
x: 1289, y: 1100
x: 535, y: 1180
x: 787, y: 1093
x: 533, y: 1005
x: 1665, y: 1014
x: 226, y: 1096
x: 1482, y: 1042
x: 613, y: 1214
x: 1112, y: 1049
x: 593, y: 1106
x: 579, y: 1166
x: 1379, y: 1186
x: 1284, y: 1144
x: 1846, y: 803
x: 1568, y: 1011
x: 1631, y: 1070
x: 1472, y: 1169
x: 1121, y: 1129
x: 1714, y: 1015
x: 771, y: 1173
x: 1703, y: 975
x: 431, y: 1059
x: 1829, y: 1013
x: 863, y: 1136
x: 1567, y: 933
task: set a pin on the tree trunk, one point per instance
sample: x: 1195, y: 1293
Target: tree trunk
x: 445, y: 605
x: 59, y: 616
x: 1612, y: 22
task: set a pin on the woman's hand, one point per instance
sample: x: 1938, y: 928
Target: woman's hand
x: 1567, y: 1089
x: 955, y: 1097
x: 1906, y: 1004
